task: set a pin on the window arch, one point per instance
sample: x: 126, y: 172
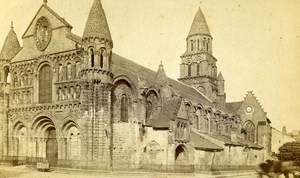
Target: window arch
x: 151, y: 105
x: 92, y: 56
x: 249, y: 131
x: 124, y: 108
x: 101, y: 57
x: 207, y: 44
x: 189, y: 69
x: 69, y: 71
x: 60, y: 72
x: 78, y: 69
x: 196, y: 122
x: 45, y: 84
x: 6, y: 74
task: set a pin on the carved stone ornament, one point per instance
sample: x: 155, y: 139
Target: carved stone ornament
x: 43, y: 33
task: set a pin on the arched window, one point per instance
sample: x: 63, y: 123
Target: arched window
x: 198, y: 44
x: 189, y: 69
x: 101, y: 58
x: 45, y: 84
x: 16, y: 80
x: 124, y: 108
x: 206, y: 124
x: 78, y: 69
x: 6, y: 75
x: 148, y: 109
x: 196, y: 122
x: 92, y: 57
x: 60, y: 73
x: 151, y: 105
x: 249, y: 131
x: 69, y: 71
x: 203, y: 43
x: 198, y: 68
x: 207, y: 44
x: 192, y: 45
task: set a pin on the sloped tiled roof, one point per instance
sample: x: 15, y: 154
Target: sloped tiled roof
x: 96, y: 25
x: 168, y: 111
x: 134, y: 70
x: 233, y: 107
x: 249, y: 144
x: 225, y: 139
x: 202, y: 143
x: 199, y: 25
x: 11, y: 45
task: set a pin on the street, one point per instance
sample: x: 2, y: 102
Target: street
x: 23, y: 172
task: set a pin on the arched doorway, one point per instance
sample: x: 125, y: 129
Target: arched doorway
x: 180, y: 154
x: 47, y: 147
x: 51, y: 146
x: 181, y: 160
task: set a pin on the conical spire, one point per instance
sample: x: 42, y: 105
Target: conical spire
x: 161, y: 76
x: 199, y: 25
x: 11, y: 45
x: 96, y: 25
x: 220, y: 77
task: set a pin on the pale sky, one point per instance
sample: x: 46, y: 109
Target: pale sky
x: 257, y: 43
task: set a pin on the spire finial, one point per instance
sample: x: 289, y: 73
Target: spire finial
x: 45, y: 1
x: 12, y: 25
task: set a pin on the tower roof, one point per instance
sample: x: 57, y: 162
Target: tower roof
x: 161, y: 76
x: 220, y: 77
x: 199, y: 25
x: 11, y: 45
x: 96, y: 25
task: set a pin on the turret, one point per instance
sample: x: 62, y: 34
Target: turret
x: 10, y: 48
x: 220, y: 84
x: 97, y: 45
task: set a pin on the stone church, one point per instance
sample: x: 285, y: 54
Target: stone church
x: 69, y: 100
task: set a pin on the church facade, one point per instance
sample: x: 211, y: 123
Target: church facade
x: 71, y: 101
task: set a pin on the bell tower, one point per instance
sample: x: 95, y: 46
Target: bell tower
x: 97, y: 45
x: 198, y: 66
x: 96, y: 78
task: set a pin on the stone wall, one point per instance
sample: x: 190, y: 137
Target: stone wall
x: 279, y: 138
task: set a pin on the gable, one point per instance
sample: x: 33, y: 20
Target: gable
x: 182, y: 112
x: 251, y: 109
x: 55, y: 20
x: 51, y: 27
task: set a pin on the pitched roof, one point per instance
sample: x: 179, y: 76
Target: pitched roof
x: 233, y: 107
x: 168, y: 111
x: 96, y: 25
x: 249, y: 144
x: 199, y: 25
x: 202, y: 143
x: 62, y: 20
x: 225, y: 139
x: 11, y: 45
x: 122, y: 66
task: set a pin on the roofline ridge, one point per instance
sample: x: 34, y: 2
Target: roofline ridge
x: 51, y: 11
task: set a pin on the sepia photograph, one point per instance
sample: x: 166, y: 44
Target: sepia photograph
x: 150, y: 88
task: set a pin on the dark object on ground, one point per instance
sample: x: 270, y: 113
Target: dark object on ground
x: 274, y: 169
